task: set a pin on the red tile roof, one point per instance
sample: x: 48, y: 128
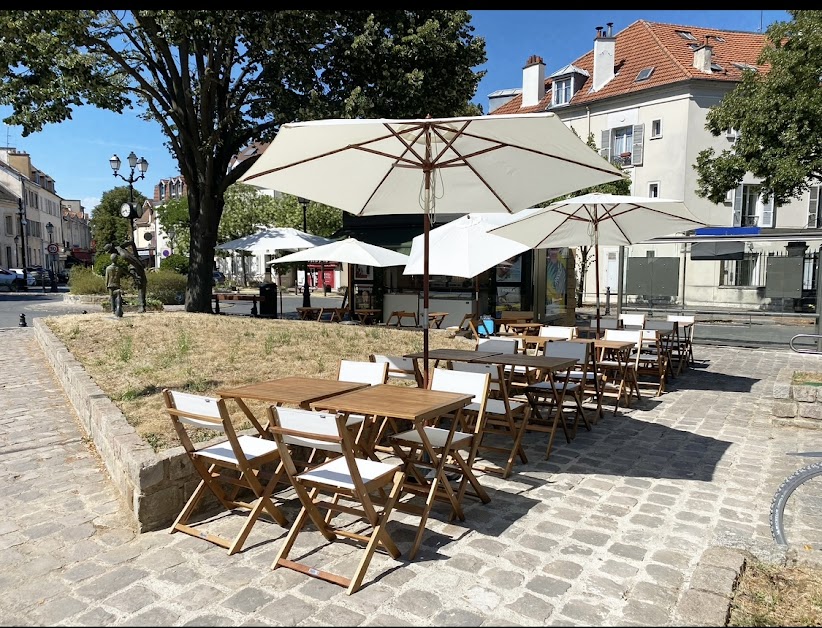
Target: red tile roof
x: 652, y: 44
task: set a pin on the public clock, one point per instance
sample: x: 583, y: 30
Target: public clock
x: 125, y: 210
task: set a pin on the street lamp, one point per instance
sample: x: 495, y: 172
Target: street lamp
x: 306, y: 294
x: 52, y: 256
x: 16, y: 251
x: 128, y: 211
x: 23, y: 222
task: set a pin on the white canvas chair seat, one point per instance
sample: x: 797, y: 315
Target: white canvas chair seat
x: 626, y: 387
x: 227, y: 469
x: 337, y: 473
x: 343, y: 485
x: 437, y: 436
x: 400, y: 368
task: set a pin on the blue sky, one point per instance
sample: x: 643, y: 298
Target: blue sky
x: 76, y: 152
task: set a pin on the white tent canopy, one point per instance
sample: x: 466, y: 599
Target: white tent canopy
x: 348, y: 251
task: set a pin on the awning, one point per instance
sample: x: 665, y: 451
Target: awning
x: 712, y: 251
x: 395, y: 238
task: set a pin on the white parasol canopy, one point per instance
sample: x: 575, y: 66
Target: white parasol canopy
x: 347, y: 251
x: 499, y: 163
x: 269, y: 241
x: 594, y: 219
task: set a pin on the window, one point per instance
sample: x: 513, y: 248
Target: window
x: 656, y: 129
x: 644, y: 74
x: 623, y: 145
x: 744, y: 272
x: 749, y: 208
x: 653, y: 190
x: 814, y: 215
x: 10, y: 225
x: 745, y: 66
x: 562, y: 91
x: 715, y: 67
x: 686, y: 35
x: 732, y: 134
x: 9, y: 261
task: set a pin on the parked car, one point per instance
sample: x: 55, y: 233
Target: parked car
x: 17, y: 282
x: 218, y: 276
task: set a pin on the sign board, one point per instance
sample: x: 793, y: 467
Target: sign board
x: 53, y: 248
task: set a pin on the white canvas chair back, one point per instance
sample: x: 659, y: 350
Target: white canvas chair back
x: 501, y: 345
x: 576, y: 350
x: 232, y: 464
x: 660, y: 325
x: 341, y: 485
x: 623, y: 335
x: 558, y: 331
x: 362, y: 372
x: 684, y: 338
x: 399, y: 368
x: 632, y: 321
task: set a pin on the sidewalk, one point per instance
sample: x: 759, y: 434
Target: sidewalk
x: 633, y: 523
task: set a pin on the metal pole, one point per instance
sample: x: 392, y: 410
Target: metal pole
x: 306, y: 293
x: 819, y: 299
x: 620, y: 271
x: 22, y: 215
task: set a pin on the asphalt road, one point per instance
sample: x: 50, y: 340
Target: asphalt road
x: 757, y: 332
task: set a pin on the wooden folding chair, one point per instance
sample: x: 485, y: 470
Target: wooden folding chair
x: 404, y: 371
x: 632, y: 321
x: 349, y: 481
x: 236, y: 462
x: 652, y: 361
x: 624, y: 372
x: 504, y: 417
x: 684, y: 335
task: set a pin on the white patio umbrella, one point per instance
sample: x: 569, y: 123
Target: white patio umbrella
x: 501, y: 163
x: 269, y: 241
x: 594, y: 219
x: 348, y: 251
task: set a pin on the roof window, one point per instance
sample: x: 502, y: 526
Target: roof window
x: 686, y: 35
x: 744, y: 66
x: 644, y: 74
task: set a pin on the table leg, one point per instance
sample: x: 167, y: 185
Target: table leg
x: 216, y: 304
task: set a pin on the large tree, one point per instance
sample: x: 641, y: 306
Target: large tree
x: 217, y: 80
x: 778, y: 117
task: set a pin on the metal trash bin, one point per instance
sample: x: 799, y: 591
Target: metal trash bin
x: 268, y: 300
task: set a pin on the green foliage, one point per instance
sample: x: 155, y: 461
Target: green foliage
x: 174, y: 218
x: 166, y: 286
x: 175, y: 262
x: 86, y: 281
x: 106, y: 224
x: 777, y: 115
x: 216, y: 81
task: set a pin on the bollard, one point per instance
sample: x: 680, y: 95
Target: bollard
x: 22, y: 322
x: 607, y: 300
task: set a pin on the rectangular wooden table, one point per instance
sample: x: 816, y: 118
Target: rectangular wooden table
x: 546, y: 367
x: 417, y: 405
x: 291, y: 391
x: 619, y: 351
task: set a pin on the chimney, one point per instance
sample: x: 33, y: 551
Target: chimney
x: 533, y: 81
x: 604, y: 52
x: 702, y: 58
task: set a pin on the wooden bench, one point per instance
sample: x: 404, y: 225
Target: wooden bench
x: 400, y: 315
x: 435, y: 319
x: 236, y: 296
x: 309, y: 313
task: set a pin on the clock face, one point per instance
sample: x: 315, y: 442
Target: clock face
x: 125, y: 210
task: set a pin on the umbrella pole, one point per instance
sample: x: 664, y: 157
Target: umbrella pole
x: 352, y: 300
x: 596, y: 270
x: 426, y: 220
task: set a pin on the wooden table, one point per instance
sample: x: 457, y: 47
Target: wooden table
x: 309, y: 313
x: 546, y: 366
x: 620, y: 352
x: 460, y: 355
x: 335, y: 314
x: 293, y: 391
x: 417, y: 405
x: 521, y: 327
x: 236, y: 296
x: 400, y: 315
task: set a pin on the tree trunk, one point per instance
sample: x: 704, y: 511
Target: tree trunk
x: 205, y: 212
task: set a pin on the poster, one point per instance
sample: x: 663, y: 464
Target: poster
x: 363, y: 273
x: 510, y: 270
x: 556, y: 279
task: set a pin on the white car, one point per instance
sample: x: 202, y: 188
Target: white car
x: 13, y: 278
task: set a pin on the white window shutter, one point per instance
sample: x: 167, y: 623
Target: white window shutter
x: 767, y: 214
x: 738, y: 207
x: 636, y: 152
x: 605, y: 144
x: 813, y: 208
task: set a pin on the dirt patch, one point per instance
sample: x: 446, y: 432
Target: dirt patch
x: 807, y: 378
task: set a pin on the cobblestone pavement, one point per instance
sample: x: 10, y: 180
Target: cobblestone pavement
x: 611, y: 530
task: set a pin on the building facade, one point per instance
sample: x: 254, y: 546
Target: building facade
x: 643, y: 95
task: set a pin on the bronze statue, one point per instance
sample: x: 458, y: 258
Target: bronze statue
x: 113, y: 285
x: 136, y: 270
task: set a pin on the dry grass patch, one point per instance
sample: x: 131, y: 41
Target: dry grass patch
x: 771, y: 595
x: 808, y: 378
x: 132, y: 359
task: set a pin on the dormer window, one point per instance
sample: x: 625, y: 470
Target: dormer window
x: 715, y: 67
x: 562, y: 91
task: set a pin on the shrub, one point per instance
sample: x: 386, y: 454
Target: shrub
x: 166, y: 286
x: 176, y: 262
x: 84, y: 280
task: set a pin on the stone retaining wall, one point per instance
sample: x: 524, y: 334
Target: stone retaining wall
x: 795, y: 404
x: 154, y: 486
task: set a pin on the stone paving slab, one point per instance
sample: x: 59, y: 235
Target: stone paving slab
x: 645, y: 520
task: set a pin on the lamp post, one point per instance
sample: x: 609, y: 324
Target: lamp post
x: 306, y: 294
x: 128, y: 211
x: 21, y: 213
x: 16, y: 251
x: 52, y: 256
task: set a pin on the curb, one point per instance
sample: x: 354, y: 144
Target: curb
x: 707, y: 600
